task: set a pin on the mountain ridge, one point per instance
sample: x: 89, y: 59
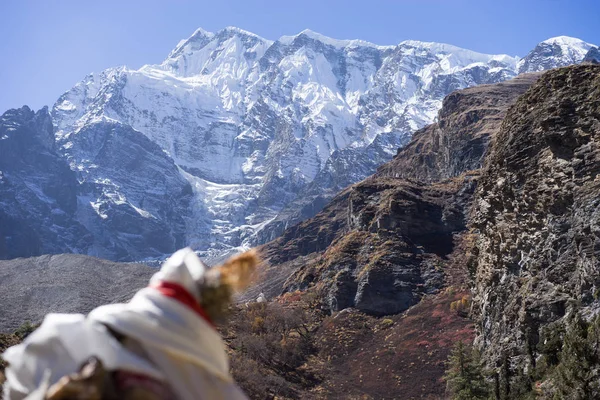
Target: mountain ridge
x: 264, y: 132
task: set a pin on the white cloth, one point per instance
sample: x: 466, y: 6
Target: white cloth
x: 184, y: 268
x: 183, y: 349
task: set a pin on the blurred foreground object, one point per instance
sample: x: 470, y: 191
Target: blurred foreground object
x: 160, y: 345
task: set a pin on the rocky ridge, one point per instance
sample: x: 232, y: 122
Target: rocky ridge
x: 459, y: 140
x: 394, y: 244
x: 112, y: 194
x: 521, y: 231
x: 593, y: 56
x: 38, y: 190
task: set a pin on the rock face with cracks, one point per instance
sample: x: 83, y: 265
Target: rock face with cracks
x: 537, y: 214
x: 112, y: 194
x: 526, y: 225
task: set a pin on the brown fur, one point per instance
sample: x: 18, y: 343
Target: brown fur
x: 94, y: 382
x: 221, y: 282
x: 238, y: 270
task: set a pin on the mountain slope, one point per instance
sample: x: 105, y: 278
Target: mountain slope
x: 131, y: 196
x: 593, y: 56
x: 257, y: 121
x: 64, y: 283
x: 38, y: 190
x: 401, y: 245
x: 529, y: 255
x: 556, y: 52
x: 112, y: 193
x: 458, y: 142
x: 395, y: 243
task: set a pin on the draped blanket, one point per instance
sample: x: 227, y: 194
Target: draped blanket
x: 174, y: 341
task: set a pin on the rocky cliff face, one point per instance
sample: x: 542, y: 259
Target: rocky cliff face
x: 131, y: 196
x: 395, y: 243
x: 593, y: 56
x: 38, y: 190
x: 537, y: 216
x: 456, y: 143
x: 397, y: 234
x: 112, y: 193
x: 525, y: 227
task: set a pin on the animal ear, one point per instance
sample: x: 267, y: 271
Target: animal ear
x: 237, y: 271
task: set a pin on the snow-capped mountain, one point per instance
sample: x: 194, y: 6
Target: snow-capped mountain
x: 121, y: 197
x: 260, y: 132
x: 593, y: 56
x: 555, y: 52
x: 38, y: 190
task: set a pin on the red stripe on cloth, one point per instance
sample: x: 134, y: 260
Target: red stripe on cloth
x: 128, y: 380
x: 179, y: 293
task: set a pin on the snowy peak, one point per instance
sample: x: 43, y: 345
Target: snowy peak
x: 194, y: 56
x: 443, y: 48
x: 555, y: 52
x: 198, y: 40
x: 566, y: 41
x: 307, y: 33
x: 203, y: 51
x: 232, y: 30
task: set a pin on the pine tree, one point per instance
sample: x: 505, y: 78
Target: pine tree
x: 464, y: 378
x: 577, y: 376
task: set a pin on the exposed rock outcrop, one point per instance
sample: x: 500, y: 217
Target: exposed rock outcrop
x: 593, y: 56
x: 135, y: 207
x: 53, y: 199
x: 389, y: 253
x: 529, y: 237
x: 38, y: 190
x: 537, y: 213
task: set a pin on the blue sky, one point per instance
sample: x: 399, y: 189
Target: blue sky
x: 48, y: 46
